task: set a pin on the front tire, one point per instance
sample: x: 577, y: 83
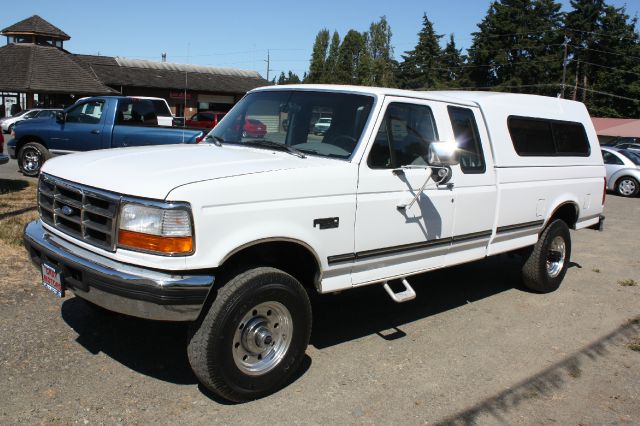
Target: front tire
x: 254, y: 336
x: 627, y: 186
x: 547, y: 263
x: 31, y: 157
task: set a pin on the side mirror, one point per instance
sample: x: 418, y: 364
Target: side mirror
x: 60, y: 117
x: 443, y: 154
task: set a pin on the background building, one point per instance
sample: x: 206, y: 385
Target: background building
x: 36, y: 70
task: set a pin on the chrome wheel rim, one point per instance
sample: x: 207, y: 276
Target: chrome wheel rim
x: 627, y: 187
x: 30, y: 160
x: 262, y: 338
x: 556, y: 256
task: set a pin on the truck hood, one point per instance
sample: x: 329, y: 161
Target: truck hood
x: 152, y: 172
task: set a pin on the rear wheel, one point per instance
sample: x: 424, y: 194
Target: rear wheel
x: 31, y: 157
x: 627, y: 186
x: 546, y: 265
x: 254, y: 336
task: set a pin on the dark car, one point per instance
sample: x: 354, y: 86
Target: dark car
x: 614, y: 143
x: 205, y: 119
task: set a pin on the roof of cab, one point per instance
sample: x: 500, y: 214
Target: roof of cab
x: 475, y: 98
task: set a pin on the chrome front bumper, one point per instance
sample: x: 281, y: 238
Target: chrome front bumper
x: 116, y: 286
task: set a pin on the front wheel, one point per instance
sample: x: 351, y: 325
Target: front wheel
x: 31, y: 158
x: 546, y: 265
x: 254, y: 336
x: 627, y: 186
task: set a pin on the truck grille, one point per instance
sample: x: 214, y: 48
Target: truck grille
x: 87, y: 214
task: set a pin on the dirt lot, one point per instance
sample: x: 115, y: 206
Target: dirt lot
x: 473, y: 348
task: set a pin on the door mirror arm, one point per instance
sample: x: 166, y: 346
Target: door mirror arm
x: 443, y: 176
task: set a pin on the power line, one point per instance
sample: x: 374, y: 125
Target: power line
x: 601, y: 34
x: 605, y: 51
x: 611, y: 68
x: 608, y: 94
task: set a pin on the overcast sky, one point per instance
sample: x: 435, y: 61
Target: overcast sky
x: 238, y: 34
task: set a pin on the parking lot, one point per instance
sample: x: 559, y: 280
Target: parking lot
x: 474, y: 347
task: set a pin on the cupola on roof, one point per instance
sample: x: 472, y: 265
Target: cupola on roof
x: 35, y: 25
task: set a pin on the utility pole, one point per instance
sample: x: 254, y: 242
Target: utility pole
x: 564, y: 66
x: 268, y: 61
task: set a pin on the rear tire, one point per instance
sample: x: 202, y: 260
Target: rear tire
x: 627, y: 186
x: 546, y: 265
x: 31, y: 157
x: 254, y: 336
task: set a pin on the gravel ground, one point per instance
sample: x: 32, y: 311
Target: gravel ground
x: 473, y: 348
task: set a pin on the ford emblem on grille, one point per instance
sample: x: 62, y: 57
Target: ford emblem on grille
x: 67, y: 211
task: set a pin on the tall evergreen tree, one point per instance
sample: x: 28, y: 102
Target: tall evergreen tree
x: 603, y: 47
x: 380, y: 52
x: 421, y: 67
x: 329, y: 75
x: 518, y: 47
x: 319, y: 57
x: 453, y: 60
x: 349, y: 54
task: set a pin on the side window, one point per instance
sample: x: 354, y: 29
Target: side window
x: 195, y: 117
x: 136, y: 112
x: 610, y: 158
x: 160, y: 108
x: 89, y: 112
x: 467, y: 137
x: 571, y: 138
x: 548, y: 138
x: 531, y: 137
x: 404, y: 137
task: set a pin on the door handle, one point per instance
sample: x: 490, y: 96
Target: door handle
x: 95, y: 132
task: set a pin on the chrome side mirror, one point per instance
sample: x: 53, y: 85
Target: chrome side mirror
x: 443, y: 154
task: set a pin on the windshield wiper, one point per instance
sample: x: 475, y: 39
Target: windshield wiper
x: 263, y: 143
x: 217, y: 140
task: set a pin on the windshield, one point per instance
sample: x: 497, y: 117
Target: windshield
x: 288, y: 117
x: 634, y: 157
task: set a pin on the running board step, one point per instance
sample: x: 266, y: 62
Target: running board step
x: 403, y: 296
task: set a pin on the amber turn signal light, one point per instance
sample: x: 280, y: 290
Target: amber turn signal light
x: 155, y: 243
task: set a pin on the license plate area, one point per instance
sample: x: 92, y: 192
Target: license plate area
x: 52, y: 280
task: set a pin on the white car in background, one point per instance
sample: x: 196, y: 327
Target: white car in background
x: 322, y: 125
x: 8, y: 122
x: 623, y: 170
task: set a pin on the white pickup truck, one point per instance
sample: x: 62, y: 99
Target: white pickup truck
x: 233, y: 233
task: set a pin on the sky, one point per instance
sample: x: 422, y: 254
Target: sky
x: 238, y: 34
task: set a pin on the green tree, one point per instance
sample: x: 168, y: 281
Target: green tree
x: 421, y: 67
x: 331, y: 63
x: 518, y: 47
x: 453, y: 60
x: 603, y: 50
x: 348, y: 65
x: 319, y: 57
x: 380, y: 54
x: 290, y: 78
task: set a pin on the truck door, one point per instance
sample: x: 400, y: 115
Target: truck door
x: 82, y: 129
x: 390, y: 240
x: 474, y: 185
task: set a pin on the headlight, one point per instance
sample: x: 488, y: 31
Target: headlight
x: 159, y: 230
